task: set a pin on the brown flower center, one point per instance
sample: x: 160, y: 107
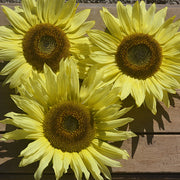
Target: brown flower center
x: 139, y: 56
x: 45, y: 43
x: 69, y: 126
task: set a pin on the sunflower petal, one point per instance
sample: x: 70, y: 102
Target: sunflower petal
x: 109, y: 150
x: 17, y: 134
x: 124, y: 17
x: 66, y: 12
x: 33, y: 147
x: 12, y: 66
x: 32, y: 108
x: 91, y: 164
x: 107, y: 125
x: 29, y: 7
x: 112, y: 24
x: 44, y: 163
x: 75, y: 167
x: 115, y: 136
x: 105, y: 41
x: 67, y: 160
x: 20, y: 74
x: 105, y: 160
x: 151, y: 102
x: 51, y: 82
x: 58, y: 163
x: 25, y: 122
x: 136, y: 17
x: 158, y: 21
x: 78, y: 19
x: 7, y: 32
x: 138, y: 92
x: 18, y: 22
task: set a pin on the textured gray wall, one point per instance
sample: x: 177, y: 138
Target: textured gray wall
x: 110, y: 1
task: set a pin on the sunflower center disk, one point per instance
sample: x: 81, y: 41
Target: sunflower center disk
x: 139, y: 56
x: 70, y: 123
x: 69, y: 126
x: 45, y: 43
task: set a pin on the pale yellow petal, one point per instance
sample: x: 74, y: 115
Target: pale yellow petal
x: 103, y: 40
x: 125, y: 83
x: 55, y: 8
x: 166, y: 99
x: 82, y: 30
x: 22, y: 73
x: 108, y: 113
x: 90, y: 83
x: 32, y: 108
x: 102, y: 57
x: 67, y: 160
x: 9, y: 51
x: 81, y: 165
x: 112, y: 24
x: 18, y: 22
x: 167, y: 81
x: 12, y: 66
x: 44, y: 163
x: 40, y: 9
x: 109, y: 150
x: 151, y: 102
x: 124, y: 111
x: 91, y: 164
x: 105, y: 160
x: 171, y: 69
x: 29, y: 9
x: 111, y: 72
x: 34, y: 146
x: 154, y: 87
x: 104, y: 170
x: 172, y: 43
x: 78, y: 19
x: 115, y: 135
x: 158, y: 20
x: 7, y: 32
x: 167, y: 31
x: 70, y: 90
x: 138, y: 91
x: 36, y: 156
x: 124, y: 18
x: 51, y: 84
x: 75, y: 167
x: 37, y: 88
x: 17, y: 134
x: 136, y: 17
x: 34, y: 135
x: 107, y: 125
x: 148, y: 19
x: 58, y: 163
x: 103, y: 97
x: 25, y: 122
x: 66, y: 12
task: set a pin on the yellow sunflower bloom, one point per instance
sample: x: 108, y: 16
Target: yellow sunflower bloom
x: 69, y: 125
x: 140, y: 53
x: 42, y: 31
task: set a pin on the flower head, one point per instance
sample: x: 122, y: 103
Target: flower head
x: 42, y: 31
x: 69, y: 126
x: 140, y: 53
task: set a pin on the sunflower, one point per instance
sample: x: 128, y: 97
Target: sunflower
x: 69, y: 125
x: 139, y: 53
x: 42, y: 31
